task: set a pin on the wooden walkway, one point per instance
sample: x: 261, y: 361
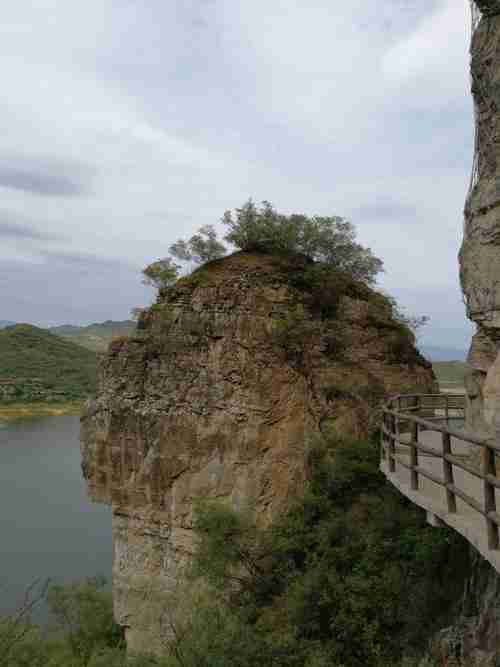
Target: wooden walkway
x: 433, y: 461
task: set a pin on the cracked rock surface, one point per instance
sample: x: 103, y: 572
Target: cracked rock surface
x: 480, y: 251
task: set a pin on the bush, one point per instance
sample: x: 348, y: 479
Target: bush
x: 326, y: 287
x: 326, y: 240
x: 202, y: 247
x: 161, y: 274
x: 83, y: 614
x: 83, y: 629
x: 351, y: 576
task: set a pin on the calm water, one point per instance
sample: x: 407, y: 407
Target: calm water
x: 48, y: 528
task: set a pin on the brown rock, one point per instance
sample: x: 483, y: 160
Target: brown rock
x: 480, y: 252
x: 218, y: 396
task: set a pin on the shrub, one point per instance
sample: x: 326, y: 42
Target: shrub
x: 161, y: 274
x: 351, y: 565
x: 327, y: 240
x: 200, y: 248
x: 83, y: 614
x: 83, y: 630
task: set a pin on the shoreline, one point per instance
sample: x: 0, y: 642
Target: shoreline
x: 18, y: 411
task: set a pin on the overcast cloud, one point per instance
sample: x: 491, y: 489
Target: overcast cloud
x: 127, y: 124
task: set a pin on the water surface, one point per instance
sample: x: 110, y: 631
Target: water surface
x: 48, y: 527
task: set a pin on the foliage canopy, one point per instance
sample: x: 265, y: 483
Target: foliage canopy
x: 162, y: 273
x: 328, y: 240
x: 200, y: 248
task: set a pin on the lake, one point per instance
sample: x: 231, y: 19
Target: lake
x: 48, y: 527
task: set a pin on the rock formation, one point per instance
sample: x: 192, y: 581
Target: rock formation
x: 474, y: 638
x: 480, y: 252
x: 488, y: 7
x: 229, y: 376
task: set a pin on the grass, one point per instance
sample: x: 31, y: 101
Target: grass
x: 19, y: 411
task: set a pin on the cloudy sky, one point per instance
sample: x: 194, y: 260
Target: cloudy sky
x: 129, y: 123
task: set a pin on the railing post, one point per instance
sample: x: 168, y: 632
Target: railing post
x: 392, y: 444
x: 414, y: 457
x: 490, y: 504
x: 451, y: 500
x: 383, y: 454
x: 413, y: 449
x: 447, y: 410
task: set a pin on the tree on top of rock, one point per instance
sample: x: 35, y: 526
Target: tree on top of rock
x: 202, y: 247
x: 329, y: 240
x: 161, y: 273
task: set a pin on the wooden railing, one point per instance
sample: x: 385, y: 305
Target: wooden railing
x: 405, y: 418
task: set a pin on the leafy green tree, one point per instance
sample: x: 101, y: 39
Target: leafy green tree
x: 162, y: 273
x: 83, y: 629
x: 200, y: 248
x: 19, y: 638
x: 329, y: 240
x: 83, y: 613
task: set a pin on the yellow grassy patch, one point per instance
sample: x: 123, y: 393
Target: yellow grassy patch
x: 16, y: 411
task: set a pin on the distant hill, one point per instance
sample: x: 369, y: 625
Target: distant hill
x: 95, y: 337
x: 5, y: 323
x: 37, y: 365
x: 436, y: 353
x: 450, y: 374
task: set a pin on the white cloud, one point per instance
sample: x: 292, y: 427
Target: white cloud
x: 431, y: 64
x: 181, y: 110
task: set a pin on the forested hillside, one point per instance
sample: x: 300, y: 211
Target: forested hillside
x: 36, y: 365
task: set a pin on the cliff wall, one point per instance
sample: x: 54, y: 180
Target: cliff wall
x: 480, y: 252
x: 474, y: 638
x: 216, y: 396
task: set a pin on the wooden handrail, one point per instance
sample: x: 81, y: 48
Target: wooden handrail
x: 401, y: 414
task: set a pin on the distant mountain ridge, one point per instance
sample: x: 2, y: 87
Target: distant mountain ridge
x: 6, y: 323
x: 438, y: 353
x: 95, y: 337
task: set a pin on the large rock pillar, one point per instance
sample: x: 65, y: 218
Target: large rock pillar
x: 480, y: 251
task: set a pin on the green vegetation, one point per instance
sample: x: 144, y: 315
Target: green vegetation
x: 326, y: 240
x: 326, y: 292
x: 36, y: 366
x: 161, y: 274
x: 95, y: 337
x: 82, y: 631
x: 351, y: 575
x: 202, y: 247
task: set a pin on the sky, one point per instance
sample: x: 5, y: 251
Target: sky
x: 127, y: 124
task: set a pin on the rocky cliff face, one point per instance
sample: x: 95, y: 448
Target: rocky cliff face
x: 474, y: 638
x: 216, y: 396
x: 480, y: 252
